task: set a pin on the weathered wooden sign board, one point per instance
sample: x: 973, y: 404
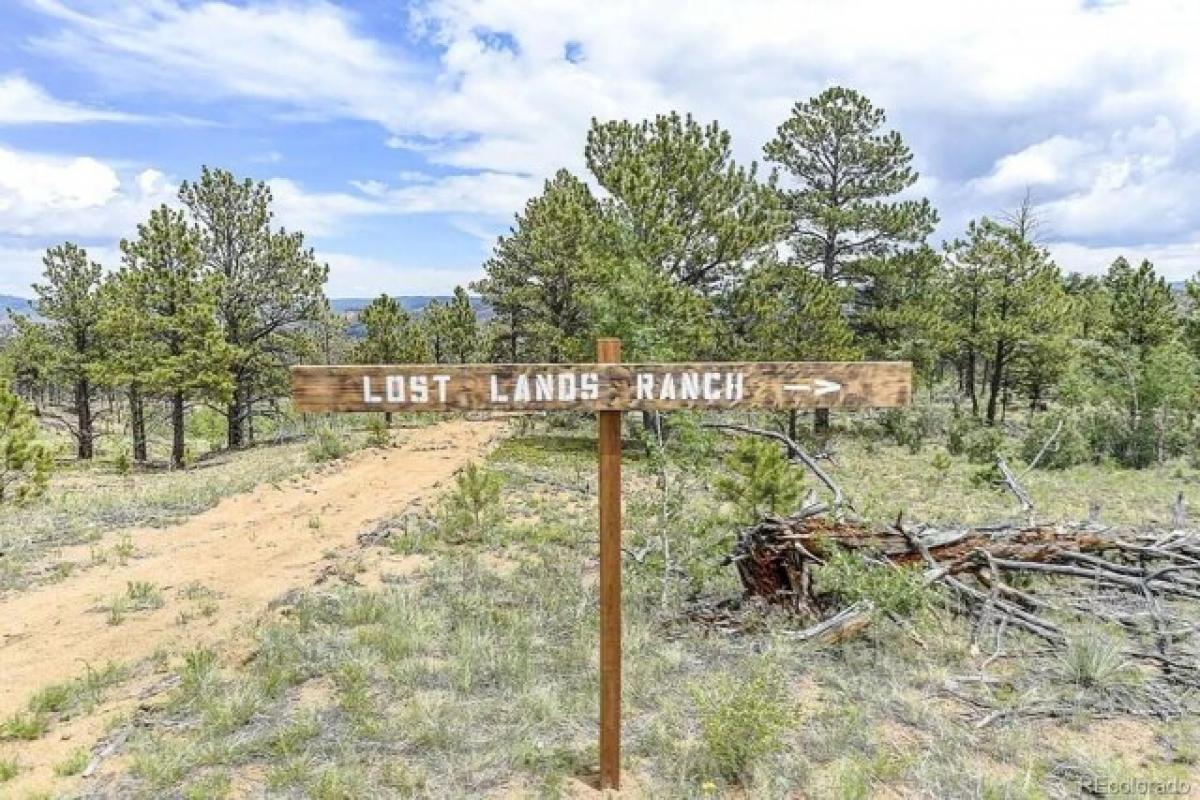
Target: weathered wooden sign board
x: 602, y: 387
x: 607, y: 388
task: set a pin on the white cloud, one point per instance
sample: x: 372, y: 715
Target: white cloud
x: 306, y: 56
x: 359, y: 276
x: 22, y: 102
x: 1175, y: 261
x: 1092, y: 106
x: 318, y: 213
x: 77, y: 197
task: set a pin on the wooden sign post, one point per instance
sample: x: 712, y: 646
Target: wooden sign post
x: 607, y: 388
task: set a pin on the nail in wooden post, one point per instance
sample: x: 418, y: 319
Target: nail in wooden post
x: 608, y: 351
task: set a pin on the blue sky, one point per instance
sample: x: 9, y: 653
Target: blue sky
x: 402, y: 137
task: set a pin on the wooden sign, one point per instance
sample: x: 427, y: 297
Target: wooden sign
x: 607, y: 388
x: 603, y: 387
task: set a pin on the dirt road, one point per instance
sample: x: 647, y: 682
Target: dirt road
x: 245, y: 552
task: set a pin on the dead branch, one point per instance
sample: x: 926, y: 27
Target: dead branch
x: 794, y: 451
x: 1014, y: 485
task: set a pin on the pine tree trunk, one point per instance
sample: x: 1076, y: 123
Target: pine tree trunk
x: 177, y: 442
x: 996, y: 379
x: 237, y: 414
x: 83, y: 409
x: 137, y: 424
x: 970, y: 378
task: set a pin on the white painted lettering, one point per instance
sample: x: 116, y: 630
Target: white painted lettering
x: 497, y: 395
x: 543, y: 387
x: 567, y: 387
x: 667, y: 392
x: 368, y: 397
x: 645, y: 385
x: 395, y: 388
x: 521, y: 392
x: 418, y: 389
x: 734, y: 385
x: 589, y: 386
x: 689, y: 386
x: 711, y: 390
x: 441, y: 381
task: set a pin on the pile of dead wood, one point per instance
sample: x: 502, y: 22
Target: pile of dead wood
x: 1144, y: 581
x: 777, y: 560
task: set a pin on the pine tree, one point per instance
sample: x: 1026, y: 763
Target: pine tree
x: 166, y: 338
x: 901, y: 314
x: 70, y: 301
x: 846, y: 173
x: 1142, y: 312
x: 435, y: 317
x: 391, y: 336
x: 1006, y: 299
x: 462, y: 328
x: 269, y: 282
x: 25, y: 461
x: 541, y: 273
x: 785, y: 314
x: 689, y: 209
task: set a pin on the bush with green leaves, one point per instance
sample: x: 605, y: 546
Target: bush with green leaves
x: 743, y: 718
x: 849, y: 577
x: 1064, y: 447
x: 25, y: 461
x: 326, y: 445
x: 760, y: 480
x: 378, y: 434
x: 969, y: 437
x: 911, y: 427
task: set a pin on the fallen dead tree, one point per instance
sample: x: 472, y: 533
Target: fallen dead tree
x: 1142, y: 581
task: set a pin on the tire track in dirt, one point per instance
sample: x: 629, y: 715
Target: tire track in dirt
x: 249, y: 550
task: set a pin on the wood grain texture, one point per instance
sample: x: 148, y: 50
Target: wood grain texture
x: 609, y: 433
x: 603, y: 387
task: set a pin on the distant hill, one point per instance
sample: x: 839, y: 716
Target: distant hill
x: 415, y: 302
x: 17, y: 305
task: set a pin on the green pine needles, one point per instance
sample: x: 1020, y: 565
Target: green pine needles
x: 25, y: 461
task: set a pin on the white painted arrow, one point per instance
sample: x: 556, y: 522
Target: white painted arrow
x: 822, y: 387
x: 825, y: 387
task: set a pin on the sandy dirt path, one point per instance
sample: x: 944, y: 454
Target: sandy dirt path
x: 248, y: 550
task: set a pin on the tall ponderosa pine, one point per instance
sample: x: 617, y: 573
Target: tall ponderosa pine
x: 269, y: 282
x: 69, y: 300
x: 1143, y: 365
x: 542, y: 271
x: 1007, y: 299
x: 170, y: 344
x: 116, y: 368
x: 846, y: 171
x: 687, y: 207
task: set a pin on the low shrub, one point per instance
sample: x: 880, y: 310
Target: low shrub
x: 1068, y: 448
x: 743, y: 718
x: 326, y: 445
x: 851, y: 578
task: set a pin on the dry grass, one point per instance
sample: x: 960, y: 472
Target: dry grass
x: 475, y: 675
